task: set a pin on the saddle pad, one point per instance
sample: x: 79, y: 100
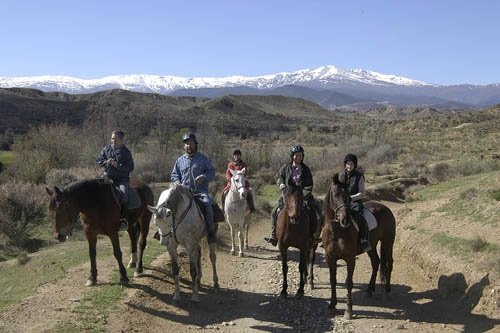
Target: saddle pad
x: 134, y: 200
x: 370, y: 219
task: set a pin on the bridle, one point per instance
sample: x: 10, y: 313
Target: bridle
x: 175, y: 225
x: 336, y: 210
x: 237, y: 187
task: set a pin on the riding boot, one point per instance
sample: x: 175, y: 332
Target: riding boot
x: 123, y: 226
x: 273, y: 239
x: 314, y: 225
x: 363, y: 234
x: 250, y: 202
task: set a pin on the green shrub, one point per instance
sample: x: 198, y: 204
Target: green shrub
x: 22, y: 207
x: 495, y: 194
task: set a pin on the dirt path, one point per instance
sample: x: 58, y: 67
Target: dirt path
x: 248, y: 299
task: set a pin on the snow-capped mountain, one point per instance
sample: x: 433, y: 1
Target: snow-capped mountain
x: 357, y: 84
x: 322, y: 77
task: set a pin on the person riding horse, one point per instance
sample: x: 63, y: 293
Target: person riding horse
x: 237, y: 164
x: 355, y: 182
x: 117, y: 161
x: 299, y: 173
x: 195, y: 170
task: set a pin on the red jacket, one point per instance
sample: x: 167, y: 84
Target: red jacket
x: 235, y: 166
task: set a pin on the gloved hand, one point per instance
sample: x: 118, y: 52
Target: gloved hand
x: 200, y: 180
x: 282, y: 187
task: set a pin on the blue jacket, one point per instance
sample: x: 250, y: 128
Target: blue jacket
x: 186, y: 169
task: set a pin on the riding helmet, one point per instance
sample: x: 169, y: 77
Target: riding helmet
x: 296, y: 149
x: 188, y: 136
x: 237, y: 152
x: 352, y: 158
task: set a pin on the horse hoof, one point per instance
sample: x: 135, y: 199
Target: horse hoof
x: 347, y: 316
x: 131, y: 265
x: 283, y: 295
x: 90, y: 283
x: 241, y: 254
x: 137, y: 274
x: 231, y: 252
x: 124, y: 282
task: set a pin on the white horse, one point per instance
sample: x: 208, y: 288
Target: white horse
x: 237, y: 211
x: 180, y: 221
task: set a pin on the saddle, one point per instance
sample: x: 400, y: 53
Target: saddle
x: 370, y: 220
x: 134, y: 200
x: 218, y: 214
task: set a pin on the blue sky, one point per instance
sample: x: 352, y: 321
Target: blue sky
x: 436, y: 41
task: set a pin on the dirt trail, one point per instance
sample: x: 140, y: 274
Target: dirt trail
x: 248, y: 300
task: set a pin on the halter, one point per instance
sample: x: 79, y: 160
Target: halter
x: 174, y: 226
x: 237, y: 187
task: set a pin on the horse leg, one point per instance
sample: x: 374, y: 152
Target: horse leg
x: 386, y: 262
x: 132, y: 234
x: 312, y: 259
x: 284, y: 265
x: 241, y: 236
x: 375, y: 261
x: 143, y: 223
x: 232, y: 235
x: 351, y: 263
x: 213, y: 260
x: 246, y: 226
x: 302, y: 271
x: 118, y: 256
x: 92, y: 240
x: 194, y: 269
x: 172, y: 250
x: 332, y: 265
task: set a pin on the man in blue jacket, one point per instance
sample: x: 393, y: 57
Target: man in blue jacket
x: 195, y: 170
x: 117, y: 161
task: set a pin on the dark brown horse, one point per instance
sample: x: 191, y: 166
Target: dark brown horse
x: 95, y: 202
x: 292, y: 230
x: 340, y: 240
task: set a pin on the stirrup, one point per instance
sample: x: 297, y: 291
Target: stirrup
x: 123, y: 226
x: 271, y: 240
x: 365, y: 245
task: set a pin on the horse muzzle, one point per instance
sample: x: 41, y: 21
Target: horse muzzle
x: 61, y: 237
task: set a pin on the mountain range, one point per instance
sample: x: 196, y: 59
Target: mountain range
x: 329, y: 86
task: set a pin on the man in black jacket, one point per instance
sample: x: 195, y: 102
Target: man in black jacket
x: 117, y: 161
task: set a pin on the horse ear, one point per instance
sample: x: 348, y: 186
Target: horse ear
x: 335, y: 178
x: 243, y: 170
x: 152, y: 209
x: 58, y: 191
x: 49, y: 192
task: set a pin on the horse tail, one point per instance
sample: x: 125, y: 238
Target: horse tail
x: 386, y: 246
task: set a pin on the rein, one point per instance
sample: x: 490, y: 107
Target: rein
x: 183, y: 216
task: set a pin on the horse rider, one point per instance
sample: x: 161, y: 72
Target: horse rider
x: 356, y: 184
x: 117, y: 161
x: 235, y: 165
x: 299, y: 173
x: 195, y: 170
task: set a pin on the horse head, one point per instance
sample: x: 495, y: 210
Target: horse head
x: 64, y: 213
x: 238, y: 182
x: 338, y: 202
x: 294, y: 200
x: 163, y: 216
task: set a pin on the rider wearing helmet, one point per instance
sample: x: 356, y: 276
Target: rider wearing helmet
x: 299, y: 173
x: 356, y: 184
x: 237, y: 164
x: 195, y: 170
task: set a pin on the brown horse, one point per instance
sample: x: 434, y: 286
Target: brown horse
x: 95, y: 202
x: 292, y: 230
x: 340, y: 240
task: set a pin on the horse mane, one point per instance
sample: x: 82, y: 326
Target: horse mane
x: 177, y: 194
x: 90, y: 193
